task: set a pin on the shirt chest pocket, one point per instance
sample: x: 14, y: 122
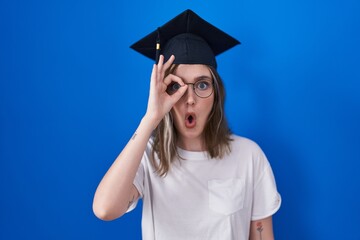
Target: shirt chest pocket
x: 226, y: 196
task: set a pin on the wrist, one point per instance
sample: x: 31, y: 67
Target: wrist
x: 150, y: 121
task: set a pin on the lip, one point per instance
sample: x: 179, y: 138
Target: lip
x: 190, y: 120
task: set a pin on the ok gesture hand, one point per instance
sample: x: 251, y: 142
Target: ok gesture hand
x: 160, y: 102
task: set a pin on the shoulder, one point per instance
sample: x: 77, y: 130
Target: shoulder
x: 247, y: 150
x: 243, y: 143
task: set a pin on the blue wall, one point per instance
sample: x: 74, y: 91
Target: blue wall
x: 72, y: 92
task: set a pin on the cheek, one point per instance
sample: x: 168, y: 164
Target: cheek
x: 208, y: 105
x: 176, y: 116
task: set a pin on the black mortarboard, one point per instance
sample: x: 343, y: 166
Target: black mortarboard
x: 191, y: 39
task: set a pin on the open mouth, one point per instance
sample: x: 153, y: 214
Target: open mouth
x: 190, y: 120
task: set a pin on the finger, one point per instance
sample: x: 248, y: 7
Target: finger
x: 179, y: 93
x: 153, y: 75
x: 169, y: 62
x: 160, y: 63
x: 161, y: 60
x: 173, y: 78
x: 159, y: 67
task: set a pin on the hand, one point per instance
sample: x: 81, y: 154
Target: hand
x: 160, y: 102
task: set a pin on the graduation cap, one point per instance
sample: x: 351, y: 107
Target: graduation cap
x: 188, y: 37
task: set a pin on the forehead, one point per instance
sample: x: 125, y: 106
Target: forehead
x: 192, y: 71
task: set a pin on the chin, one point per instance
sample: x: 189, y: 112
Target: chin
x: 192, y: 133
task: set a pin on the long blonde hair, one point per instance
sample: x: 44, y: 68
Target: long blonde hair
x: 216, y: 132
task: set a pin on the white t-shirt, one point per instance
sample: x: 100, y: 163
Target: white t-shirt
x: 204, y: 198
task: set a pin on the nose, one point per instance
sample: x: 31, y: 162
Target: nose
x: 190, y: 96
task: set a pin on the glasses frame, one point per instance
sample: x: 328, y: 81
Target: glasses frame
x: 194, y: 89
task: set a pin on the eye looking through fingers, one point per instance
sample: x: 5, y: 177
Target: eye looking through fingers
x: 172, y: 88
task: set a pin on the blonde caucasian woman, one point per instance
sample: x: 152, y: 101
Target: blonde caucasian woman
x: 196, y: 179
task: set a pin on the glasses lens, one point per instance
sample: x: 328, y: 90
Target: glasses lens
x: 203, y: 88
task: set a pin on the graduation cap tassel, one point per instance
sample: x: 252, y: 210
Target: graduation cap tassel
x: 157, y: 46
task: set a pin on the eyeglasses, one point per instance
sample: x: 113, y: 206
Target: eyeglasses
x: 202, y: 88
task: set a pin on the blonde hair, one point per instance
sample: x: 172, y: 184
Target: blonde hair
x: 216, y: 132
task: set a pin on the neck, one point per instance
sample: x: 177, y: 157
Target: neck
x: 192, y: 144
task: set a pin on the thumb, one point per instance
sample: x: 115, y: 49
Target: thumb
x: 179, y: 93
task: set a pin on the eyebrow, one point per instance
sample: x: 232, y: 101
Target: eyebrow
x: 203, y: 77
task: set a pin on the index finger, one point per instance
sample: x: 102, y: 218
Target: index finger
x: 169, y: 62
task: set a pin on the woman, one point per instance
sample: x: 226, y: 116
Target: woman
x: 196, y: 179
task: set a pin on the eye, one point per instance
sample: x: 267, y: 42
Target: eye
x: 172, y: 88
x: 203, y: 85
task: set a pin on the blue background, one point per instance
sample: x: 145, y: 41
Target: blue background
x: 72, y: 92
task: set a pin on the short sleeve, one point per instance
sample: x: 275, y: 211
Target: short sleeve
x: 266, y: 199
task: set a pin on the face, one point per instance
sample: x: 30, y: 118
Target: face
x: 191, y: 112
